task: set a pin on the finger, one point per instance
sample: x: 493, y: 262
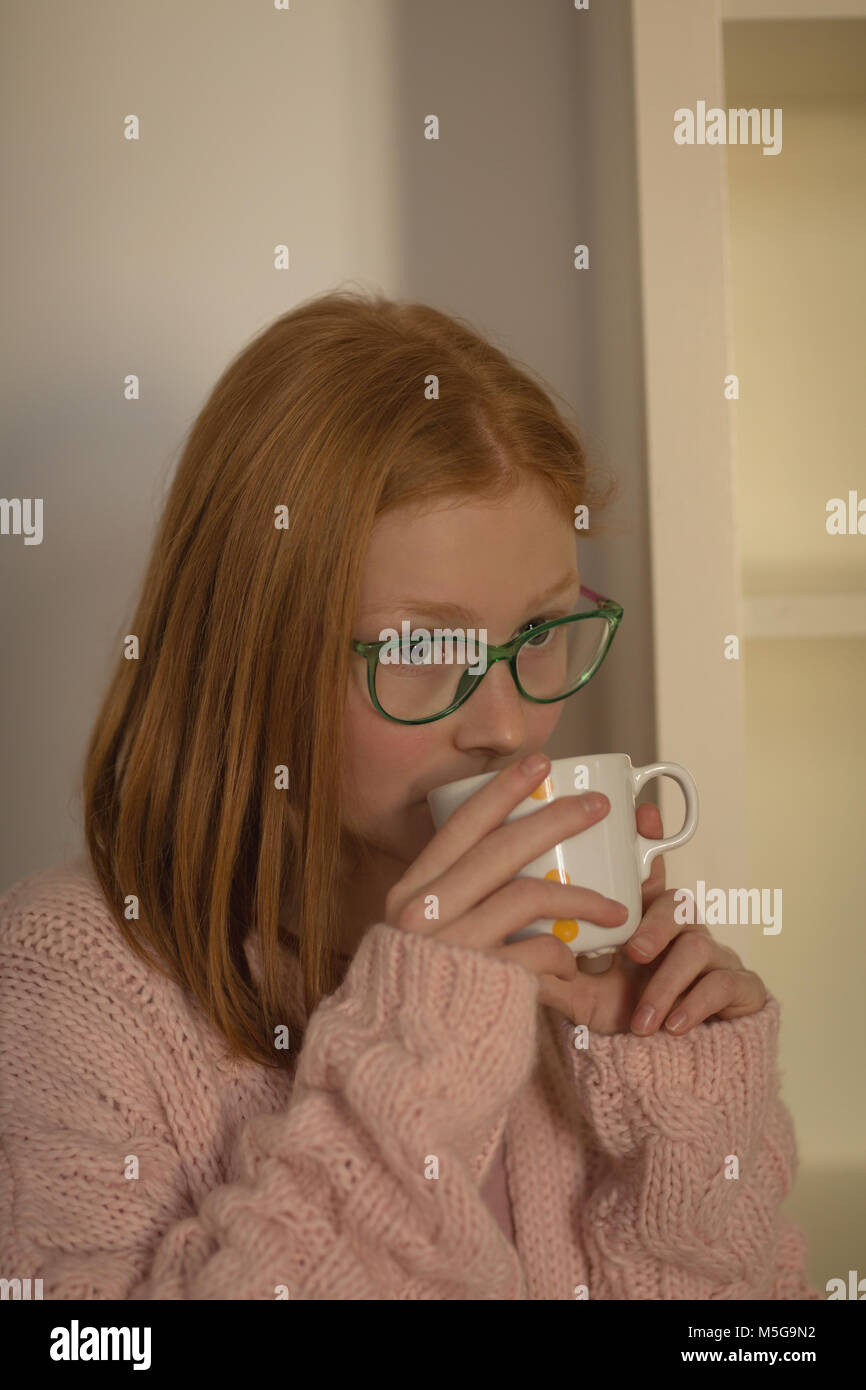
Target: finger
x: 512, y: 907
x: 600, y: 1006
x: 576, y: 999
x: 480, y: 813
x: 558, y: 994
x: 649, y: 824
x: 506, y: 850
x: 723, y: 994
x: 544, y: 954
x: 692, y: 955
x: 658, y: 928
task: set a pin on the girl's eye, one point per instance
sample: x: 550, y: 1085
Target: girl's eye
x: 537, y: 622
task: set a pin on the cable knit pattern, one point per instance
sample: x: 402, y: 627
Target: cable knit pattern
x: 318, y: 1180
x: 665, y: 1218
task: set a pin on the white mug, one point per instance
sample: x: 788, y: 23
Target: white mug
x: 610, y: 856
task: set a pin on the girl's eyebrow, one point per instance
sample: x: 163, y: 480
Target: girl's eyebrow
x: 454, y: 610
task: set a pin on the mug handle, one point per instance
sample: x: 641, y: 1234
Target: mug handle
x: 648, y: 849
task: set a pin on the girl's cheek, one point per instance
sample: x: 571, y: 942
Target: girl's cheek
x: 548, y: 718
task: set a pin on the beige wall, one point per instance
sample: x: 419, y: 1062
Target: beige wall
x: 798, y: 295
x: 156, y: 257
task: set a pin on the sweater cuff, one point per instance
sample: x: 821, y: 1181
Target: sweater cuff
x: 716, y: 1080
x: 427, y: 1022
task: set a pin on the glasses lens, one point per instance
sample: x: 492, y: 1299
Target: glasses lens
x: 423, y: 679
x: 554, y: 662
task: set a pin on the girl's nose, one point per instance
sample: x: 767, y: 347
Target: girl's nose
x: 494, y: 716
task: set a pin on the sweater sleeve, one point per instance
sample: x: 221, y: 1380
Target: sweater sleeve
x: 361, y: 1187
x: 692, y: 1154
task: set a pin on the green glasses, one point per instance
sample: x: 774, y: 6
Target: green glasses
x: 548, y: 662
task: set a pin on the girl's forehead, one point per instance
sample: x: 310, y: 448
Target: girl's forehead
x: 469, y: 560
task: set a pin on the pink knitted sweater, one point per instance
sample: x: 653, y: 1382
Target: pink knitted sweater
x: 138, y: 1161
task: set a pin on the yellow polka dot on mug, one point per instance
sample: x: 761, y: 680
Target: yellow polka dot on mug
x: 544, y: 792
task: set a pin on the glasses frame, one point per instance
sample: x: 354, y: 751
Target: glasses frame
x: 607, y: 608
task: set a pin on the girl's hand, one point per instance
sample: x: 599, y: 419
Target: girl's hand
x: 462, y: 887
x: 684, y: 971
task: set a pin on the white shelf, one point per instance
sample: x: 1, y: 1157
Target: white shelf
x: 806, y: 615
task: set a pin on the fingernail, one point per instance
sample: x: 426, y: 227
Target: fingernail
x: 643, y: 1018
x: 534, y: 763
x: 641, y: 945
x: 676, y: 1021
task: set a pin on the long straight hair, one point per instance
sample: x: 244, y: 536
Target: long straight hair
x: 212, y: 779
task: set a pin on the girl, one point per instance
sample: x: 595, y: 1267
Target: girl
x: 242, y: 1061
